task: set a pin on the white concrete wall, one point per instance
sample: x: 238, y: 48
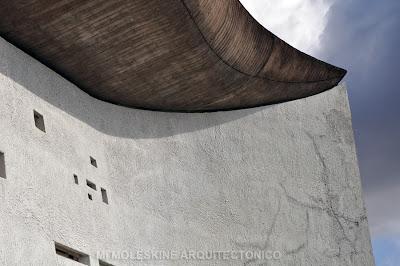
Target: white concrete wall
x: 280, y: 178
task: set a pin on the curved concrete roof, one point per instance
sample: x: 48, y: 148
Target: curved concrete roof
x: 167, y: 55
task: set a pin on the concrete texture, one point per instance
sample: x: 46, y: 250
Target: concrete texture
x: 279, y: 178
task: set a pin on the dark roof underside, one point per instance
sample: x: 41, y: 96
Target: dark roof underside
x: 167, y: 55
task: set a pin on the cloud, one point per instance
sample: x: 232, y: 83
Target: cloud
x: 298, y: 22
x: 383, y: 216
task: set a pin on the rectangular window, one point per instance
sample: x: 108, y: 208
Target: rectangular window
x: 76, y: 179
x: 103, y: 263
x: 91, y: 185
x: 71, y: 254
x: 39, y: 121
x: 2, y: 165
x: 93, y: 161
x: 104, y: 195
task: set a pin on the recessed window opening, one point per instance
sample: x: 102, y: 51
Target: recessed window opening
x: 93, y: 161
x: 71, y: 254
x: 91, y: 185
x: 89, y: 196
x: 2, y: 165
x: 76, y: 179
x: 39, y: 121
x: 103, y: 263
x: 104, y: 195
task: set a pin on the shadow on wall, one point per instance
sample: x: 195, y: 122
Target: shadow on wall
x: 108, y: 118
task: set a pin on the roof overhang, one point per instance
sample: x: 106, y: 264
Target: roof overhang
x: 167, y: 55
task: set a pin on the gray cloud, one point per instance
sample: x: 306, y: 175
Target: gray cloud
x: 384, y: 219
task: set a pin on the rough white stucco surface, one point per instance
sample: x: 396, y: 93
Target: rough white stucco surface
x: 281, y: 178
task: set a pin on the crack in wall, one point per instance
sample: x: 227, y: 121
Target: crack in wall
x: 329, y: 207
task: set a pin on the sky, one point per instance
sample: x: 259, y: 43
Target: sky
x: 362, y: 36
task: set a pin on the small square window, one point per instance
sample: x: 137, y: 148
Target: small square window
x: 104, y: 195
x: 93, y: 161
x: 91, y: 185
x: 76, y: 179
x: 2, y: 165
x: 39, y: 121
x: 90, y: 196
